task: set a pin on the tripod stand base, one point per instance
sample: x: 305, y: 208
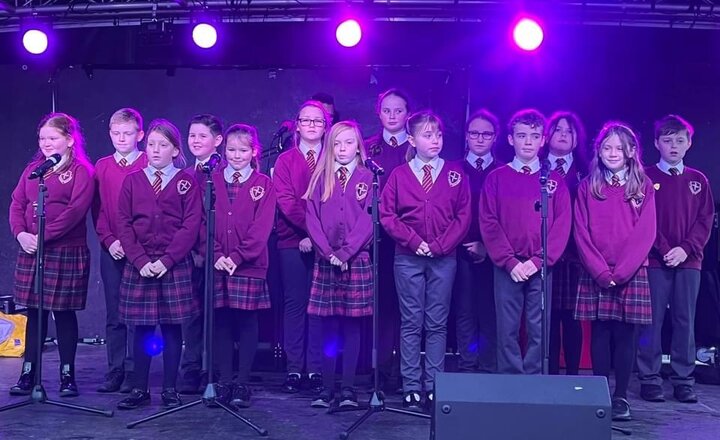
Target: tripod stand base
x: 376, y: 405
x: 39, y: 395
x: 209, y: 399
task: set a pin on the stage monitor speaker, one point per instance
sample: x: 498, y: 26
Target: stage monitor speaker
x: 520, y: 407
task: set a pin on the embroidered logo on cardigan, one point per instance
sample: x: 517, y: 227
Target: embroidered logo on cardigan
x: 183, y: 187
x: 257, y: 193
x: 361, y: 191
x: 552, y: 186
x: 65, y: 177
x: 454, y: 178
x: 695, y: 187
x: 656, y: 186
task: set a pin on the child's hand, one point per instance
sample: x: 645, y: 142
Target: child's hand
x: 198, y: 259
x: 28, y: 242
x: 476, y: 250
x: 344, y: 267
x: 529, y: 268
x: 518, y: 273
x: 612, y: 284
x: 158, y: 269
x: 335, y: 261
x: 146, y: 271
x: 230, y: 265
x: 675, y: 257
x: 305, y: 245
x: 220, y: 264
x: 116, y: 250
x: 424, y: 250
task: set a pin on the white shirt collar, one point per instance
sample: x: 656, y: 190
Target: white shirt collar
x: 553, y: 159
x: 665, y: 167
x: 245, y: 173
x: 622, y: 175
x: 130, y: 158
x: 517, y: 165
x: 350, y: 166
x: 304, y: 148
x: 401, y: 137
x: 487, y: 159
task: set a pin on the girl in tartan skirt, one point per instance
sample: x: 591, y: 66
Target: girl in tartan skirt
x: 245, y: 208
x: 70, y: 190
x: 159, y: 220
x: 614, y: 232
x: 565, y: 137
x: 340, y: 228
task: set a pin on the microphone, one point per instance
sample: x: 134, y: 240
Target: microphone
x: 45, y: 166
x: 212, y: 163
x: 284, y: 128
x: 544, y: 172
x: 374, y: 167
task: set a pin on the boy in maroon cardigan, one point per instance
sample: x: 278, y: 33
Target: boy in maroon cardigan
x: 685, y: 208
x: 126, y: 131
x: 425, y: 208
x: 510, y: 228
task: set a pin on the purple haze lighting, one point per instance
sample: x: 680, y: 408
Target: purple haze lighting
x: 204, y: 35
x: 35, y: 41
x: 348, y: 33
x: 528, y: 34
x: 154, y: 345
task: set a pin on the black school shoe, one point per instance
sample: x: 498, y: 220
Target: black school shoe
x: 240, y: 396
x: 315, y: 383
x: 127, y: 384
x: 685, y: 394
x: 136, y: 399
x: 348, y: 398
x: 170, y: 398
x: 620, y: 410
x: 24, y: 385
x: 113, y: 381
x: 323, y: 400
x: 411, y: 401
x: 292, y: 383
x: 429, y: 401
x: 652, y: 393
x: 68, y: 386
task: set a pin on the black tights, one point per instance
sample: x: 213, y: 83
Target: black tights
x: 67, y: 334
x: 571, y: 341
x: 622, y: 334
x: 331, y: 348
x: 235, y: 325
x: 172, y: 341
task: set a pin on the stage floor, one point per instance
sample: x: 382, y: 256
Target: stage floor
x: 284, y: 416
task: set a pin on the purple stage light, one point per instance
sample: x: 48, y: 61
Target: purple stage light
x: 204, y: 35
x: 528, y: 34
x: 35, y: 41
x: 348, y: 33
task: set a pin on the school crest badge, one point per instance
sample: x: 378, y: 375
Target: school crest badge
x: 656, y: 186
x: 454, y: 178
x: 695, y: 187
x: 183, y: 187
x: 551, y: 186
x: 65, y: 177
x: 257, y: 193
x: 361, y: 191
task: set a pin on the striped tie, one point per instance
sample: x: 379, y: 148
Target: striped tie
x: 393, y: 141
x: 310, y: 159
x: 674, y: 171
x: 343, y: 176
x: 559, y: 166
x: 236, y: 177
x: 427, y: 181
x: 615, y: 181
x: 479, y: 163
x: 526, y: 170
x: 123, y: 162
x: 199, y: 168
x: 157, y: 183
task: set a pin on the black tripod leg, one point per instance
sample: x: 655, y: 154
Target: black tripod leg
x: 622, y: 430
x: 164, y: 413
x: 408, y: 413
x: 346, y: 434
x: 106, y: 413
x: 17, y: 405
x: 261, y: 431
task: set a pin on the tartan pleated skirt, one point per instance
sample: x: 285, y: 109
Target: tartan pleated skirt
x: 337, y: 293
x: 629, y: 302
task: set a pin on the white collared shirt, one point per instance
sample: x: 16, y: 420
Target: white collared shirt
x: 518, y: 165
x: 245, y: 173
x: 130, y: 158
x: 401, y: 137
x: 665, y: 167
x: 622, y: 175
x: 553, y: 161
x: 487, y: 159
x: 350, y: 167
x: 416, y: 165
x: 304, y: 148
x: 168, y: 173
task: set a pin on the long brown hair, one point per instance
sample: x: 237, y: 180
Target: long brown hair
x: 172, y: 134
x: 325, y: 171
x: 580, y: 151
x: 250, y: 132
x: 635, y: 177
x: 70, y: 128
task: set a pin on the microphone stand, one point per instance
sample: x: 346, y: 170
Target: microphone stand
x: 209, y: 397
x: 38, y: 394
x: 377, y: 399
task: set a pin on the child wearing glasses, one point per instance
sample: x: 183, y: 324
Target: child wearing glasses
x: 293, y: 169
x: 510, y: 228
x: 473, y: 301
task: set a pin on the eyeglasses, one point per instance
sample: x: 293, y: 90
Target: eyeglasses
x: 304, y: 122
x: 486, y: 135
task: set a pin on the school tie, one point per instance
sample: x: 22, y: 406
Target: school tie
x: 199, y: 168
x: 343, y: 176
x: 427, y: 181
x: 236, y: 177
x: 393, y: 141
x: 157, y: 183
x: 615, y: 181
x: 310, y: 159
x: 526, y: 170
x: 674, y: 171
x: 123, y: 162
x: 479, y: 163
x: 559, y: 166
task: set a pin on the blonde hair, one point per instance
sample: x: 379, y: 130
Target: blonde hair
x: 249, y: 132
x: 325, y: 170
x: 125, y: 115
x: 635, y: 177
x: 418, y: 121
x: 70, y: 128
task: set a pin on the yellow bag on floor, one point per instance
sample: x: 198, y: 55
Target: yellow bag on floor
x: 12, y: 335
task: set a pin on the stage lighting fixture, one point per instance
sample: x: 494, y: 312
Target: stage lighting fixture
x: 35, y: 41
x: 528, y: 34
x: 204, y: 35
x: 348, y: 33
